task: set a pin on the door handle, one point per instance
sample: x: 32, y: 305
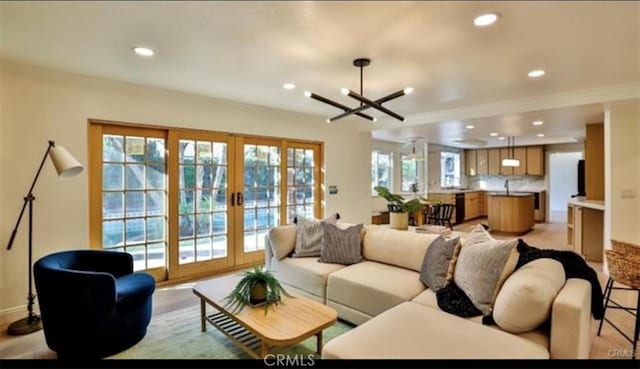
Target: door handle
x: 233, y: 199
x: 240, y: 199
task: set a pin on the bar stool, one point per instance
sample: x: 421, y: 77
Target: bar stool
x: 624, y: 268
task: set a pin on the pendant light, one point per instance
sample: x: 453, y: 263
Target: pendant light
x: 511, y: 161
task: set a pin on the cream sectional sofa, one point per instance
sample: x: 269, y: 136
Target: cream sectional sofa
x: 398, y: 317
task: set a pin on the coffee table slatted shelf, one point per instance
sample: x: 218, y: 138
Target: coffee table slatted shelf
x: 247, y: 341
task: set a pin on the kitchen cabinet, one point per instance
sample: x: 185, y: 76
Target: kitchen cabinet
x: 535, y: 160
x: 494, y: 161
x: 482, y: 162
x: 471, y: 205
x: 594, y: 162
x: 520, y: 153
x: 470, y: 163
x: 505, y: 153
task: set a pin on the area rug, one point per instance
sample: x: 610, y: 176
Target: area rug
x: 177, y: 335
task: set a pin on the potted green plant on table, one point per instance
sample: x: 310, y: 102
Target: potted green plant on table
x: 399, y: 208
x: 258, y: 287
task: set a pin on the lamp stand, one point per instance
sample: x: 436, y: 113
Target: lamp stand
x: 32, y: 322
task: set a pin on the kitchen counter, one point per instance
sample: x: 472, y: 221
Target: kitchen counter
x: 592, y: 204
x: 512, y: 214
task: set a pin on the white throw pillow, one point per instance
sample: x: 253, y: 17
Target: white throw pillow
x: 477, y: 235
x: 282, y: 240
x: 525, y: 299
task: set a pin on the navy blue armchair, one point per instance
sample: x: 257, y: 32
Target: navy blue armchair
x: 91, y: 302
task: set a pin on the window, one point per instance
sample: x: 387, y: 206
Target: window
x: 409, y: 175
x: 134, y: 198
x: 381, y: 170
x: 190, y: 202
x: 449, y: 169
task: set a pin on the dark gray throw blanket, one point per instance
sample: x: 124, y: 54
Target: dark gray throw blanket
x: 452, y: 299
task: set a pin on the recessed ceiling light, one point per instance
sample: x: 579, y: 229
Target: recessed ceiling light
x: 537, y: 73
x: 493, y: 134
x: 487, y: 19
x: 288, y: 86
x: 540, y: 134
x: 470, y: 126
x: 143, y: 51
x: 500, y: 138
x: 537, y: 123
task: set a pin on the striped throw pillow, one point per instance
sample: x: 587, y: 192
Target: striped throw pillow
x: 341, y: 246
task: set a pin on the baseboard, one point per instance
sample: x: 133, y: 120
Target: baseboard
x: 8, y: 313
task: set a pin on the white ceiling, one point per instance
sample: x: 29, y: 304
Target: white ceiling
x: 244, y: 51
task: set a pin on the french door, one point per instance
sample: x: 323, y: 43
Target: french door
x: 187, y: 203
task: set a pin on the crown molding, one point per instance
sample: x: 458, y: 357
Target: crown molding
x: 553, y: 101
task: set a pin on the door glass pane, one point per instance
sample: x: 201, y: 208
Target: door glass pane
x: 134, y: 197
x: 202, y: 203
x: 301, y: 183
x: 261, y: 193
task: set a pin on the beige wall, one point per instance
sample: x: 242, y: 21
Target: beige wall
x: 38, y: 105
x: 622, y: 169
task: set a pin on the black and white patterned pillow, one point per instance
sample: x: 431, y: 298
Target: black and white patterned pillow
x: 341, y: 246
x: 439, y: 261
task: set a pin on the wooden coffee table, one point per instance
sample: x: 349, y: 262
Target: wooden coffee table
x: 288, y: 323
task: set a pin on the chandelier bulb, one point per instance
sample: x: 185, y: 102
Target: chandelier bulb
x: 307, y: 94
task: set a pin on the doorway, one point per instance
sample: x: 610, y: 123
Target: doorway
x: 563, y: 183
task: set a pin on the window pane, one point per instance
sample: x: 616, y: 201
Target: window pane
x: 112, y: 233
x: 112, y: 176
x: 220, y: 199
x: 203, y: 200
x: 274, y: 155
x: 186, y: 225
x: 186, y: 201
x: 203, y: 226
x: 187, y: 176
x: 219, y: 176
x: 203, y: 249
x: 219, y: 246
x: 134, y: 203
x: 156, y: 254
x: 155, y: 229
x: 308, y: 158
x: 250, y: 241
x: 112, y: 148
x: 450, y: 169
x: 134, y: 230
x: 263, y: 217
x: 204, y: 152
x: 249, y: 219
x: 262, y: 155
x: 186, y: 151
x: 187, y: 251
x: 135, y: 149
x: 112, y: 205
x: 155, y: 203
x: 155, y: 150
x: 219, y: 153
x: 156, y: 176
x: 134, y: 177
x: 138, y: 253
x: 219, y: 223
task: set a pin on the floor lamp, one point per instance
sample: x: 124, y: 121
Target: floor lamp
x: 66, y: 166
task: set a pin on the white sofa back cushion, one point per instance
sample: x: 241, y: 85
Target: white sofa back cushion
x: 405, y: 249
x: 282, y: 240
x: 525, y: 299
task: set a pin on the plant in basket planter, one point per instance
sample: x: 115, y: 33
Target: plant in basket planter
x: 399, y: 208
x: 257, y: 287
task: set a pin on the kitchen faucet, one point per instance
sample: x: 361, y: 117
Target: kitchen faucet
x: 506, y: 185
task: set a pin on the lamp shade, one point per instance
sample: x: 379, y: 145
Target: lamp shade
x: 510, y: 162
x: 66, y: 165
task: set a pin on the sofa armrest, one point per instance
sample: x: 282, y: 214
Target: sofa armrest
x: 571, y: 321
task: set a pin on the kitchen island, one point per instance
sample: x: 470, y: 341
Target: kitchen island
x: 511, y: 213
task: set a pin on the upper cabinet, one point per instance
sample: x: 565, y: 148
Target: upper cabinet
x: 489, y: 161
x: 482, y: 162
x: 594, y: 162
x: 494, y: 161
x: 471, y: 163
x: 535, y: 160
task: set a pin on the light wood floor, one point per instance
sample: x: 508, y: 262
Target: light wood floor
x: 546, y: 235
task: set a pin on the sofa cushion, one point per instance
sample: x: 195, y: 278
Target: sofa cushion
x: 373, y: 287
x: 394, y: 247
x: 482, y: 268
x: 525, y: 299
x: 412, y: 331
x: 306, y: 274
x: 282, y: 240
x: 341, y: 246
x: 439, y: 262
x: 310, y: 235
